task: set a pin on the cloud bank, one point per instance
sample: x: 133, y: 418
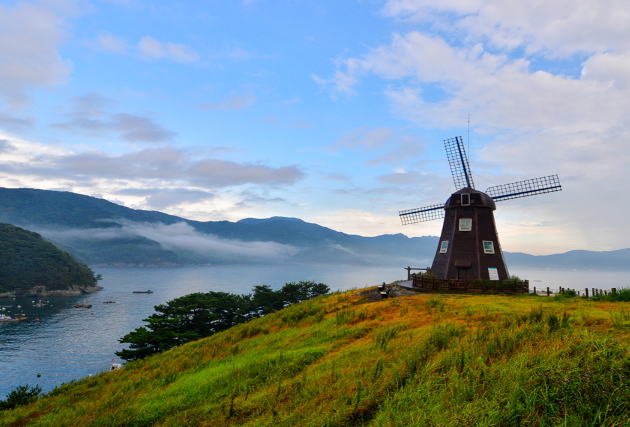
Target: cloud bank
x: 181, y: 237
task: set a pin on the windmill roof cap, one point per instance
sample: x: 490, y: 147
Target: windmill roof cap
x: 477, y: 199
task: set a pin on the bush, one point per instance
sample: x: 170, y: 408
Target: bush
x: 22, y: 395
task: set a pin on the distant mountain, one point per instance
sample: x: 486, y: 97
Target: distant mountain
x: 618, y: 260
x: 103, y: 233
x: 31, y: 266
x: 99, y: 232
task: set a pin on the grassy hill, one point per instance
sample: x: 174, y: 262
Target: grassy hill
x: 29, y: 265
x: 353, y: 360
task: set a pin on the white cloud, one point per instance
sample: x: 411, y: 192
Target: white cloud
x: 366, y: 223
x: 180, y: 236
x: 150, y: 48
x: 184, y: 236
x: 30, y: 35
x: 111, y: 43
x: 88, y: 115
x: 555, y: 28
x: 139, y: 169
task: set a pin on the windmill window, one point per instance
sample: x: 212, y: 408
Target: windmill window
x: 488, y: 247
x: 465, y: 224
x: 444, y: 246
x: 465, y: 199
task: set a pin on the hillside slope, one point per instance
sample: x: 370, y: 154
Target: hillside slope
x: 29, y: 265
x: 354, y: 360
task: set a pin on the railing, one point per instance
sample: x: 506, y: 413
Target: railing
x: 433, y: 284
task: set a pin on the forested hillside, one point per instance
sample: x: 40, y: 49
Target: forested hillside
x: 104, y: 233
x: 31, y: 265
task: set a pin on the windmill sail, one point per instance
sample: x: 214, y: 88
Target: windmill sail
x: 458, y: 161
x: 529, y: 187
x: 427, y: 213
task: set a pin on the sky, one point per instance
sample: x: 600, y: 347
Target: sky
x: 332, y: 111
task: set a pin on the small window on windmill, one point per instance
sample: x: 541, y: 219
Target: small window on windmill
x: 465, y: 224
x: 444, y: 246
x: 488, y: 247
x: 466, y: 199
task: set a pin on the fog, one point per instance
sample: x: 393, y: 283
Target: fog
x: 176, y: 237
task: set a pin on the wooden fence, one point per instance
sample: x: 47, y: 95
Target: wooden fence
x: 432, y: 284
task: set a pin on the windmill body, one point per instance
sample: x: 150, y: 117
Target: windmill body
x: 469, y: 246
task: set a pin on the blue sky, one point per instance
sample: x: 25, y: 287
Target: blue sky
x: 332, y: 111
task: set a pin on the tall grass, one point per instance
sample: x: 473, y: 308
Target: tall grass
x: 344, y: 361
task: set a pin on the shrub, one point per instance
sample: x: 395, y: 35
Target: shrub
x: 22, y: 395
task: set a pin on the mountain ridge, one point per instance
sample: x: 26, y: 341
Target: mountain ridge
x: 100, y: 232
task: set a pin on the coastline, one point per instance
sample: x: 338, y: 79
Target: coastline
x: 41, y: 291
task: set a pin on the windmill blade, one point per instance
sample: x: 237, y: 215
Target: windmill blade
x: 427, y: 213
x: 529, y: 187
x: 458, y: 161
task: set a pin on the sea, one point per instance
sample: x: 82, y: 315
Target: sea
x: 59, y: 342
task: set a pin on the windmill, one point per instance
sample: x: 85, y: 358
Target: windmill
x: 469, y: 244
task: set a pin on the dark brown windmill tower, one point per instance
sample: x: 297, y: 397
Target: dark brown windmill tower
x: 469, y: 244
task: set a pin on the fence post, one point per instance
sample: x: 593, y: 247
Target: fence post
x: 586, y: 292
x: 535, y: 291
x: 548, y: 292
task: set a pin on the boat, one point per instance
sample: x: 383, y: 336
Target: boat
x: 143, y: 292
x: 109, y: 302
x: 82, y: 306
x: 5, y: 318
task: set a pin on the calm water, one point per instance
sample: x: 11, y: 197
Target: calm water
x: 68, y: 343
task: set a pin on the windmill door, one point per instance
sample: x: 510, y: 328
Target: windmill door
x: 463, y: 269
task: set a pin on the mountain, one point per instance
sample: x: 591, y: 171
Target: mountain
x: 618, y: 260
x: 100, y: 232
x: 31, y: 266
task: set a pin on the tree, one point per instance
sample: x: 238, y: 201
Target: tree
x: 22, y: 395
x: 199, y: 315
x: 292, y: 293
x: 185, y: 319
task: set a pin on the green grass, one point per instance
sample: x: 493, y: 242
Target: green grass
x: 340, y: 360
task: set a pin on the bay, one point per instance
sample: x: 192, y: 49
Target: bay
x: 64, y: 343
x: 68, y: 343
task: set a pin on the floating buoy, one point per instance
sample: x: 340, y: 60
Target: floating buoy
x: 37, y: 320
x: 39, y: 374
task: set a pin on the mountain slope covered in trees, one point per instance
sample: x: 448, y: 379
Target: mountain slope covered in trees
x: 102, y: 232
x: 29, y: 265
